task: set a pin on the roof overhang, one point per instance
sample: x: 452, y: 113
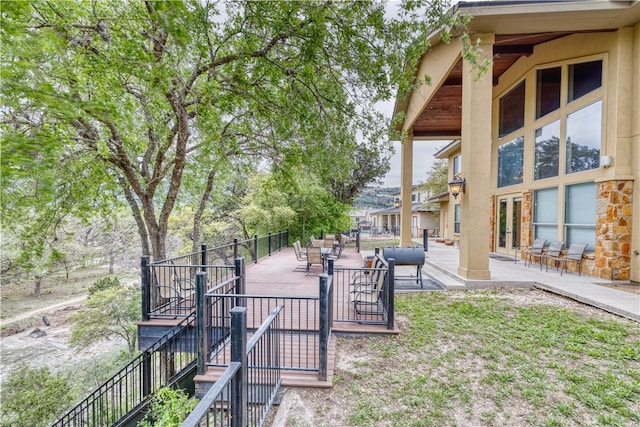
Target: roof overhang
x: 518, y: 27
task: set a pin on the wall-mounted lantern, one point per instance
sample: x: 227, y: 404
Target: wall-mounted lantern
x: 397, y: 202
x: 457, y: 186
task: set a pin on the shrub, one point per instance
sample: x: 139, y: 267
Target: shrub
x: 169, y: 407
x: 104, y: 283
x: 34, y: 397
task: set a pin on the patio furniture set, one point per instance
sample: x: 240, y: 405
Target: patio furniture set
x: 317, y: 252
x: 552, y: 251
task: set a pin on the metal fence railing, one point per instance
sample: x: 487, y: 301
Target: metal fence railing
x: 245, y: 391
x: 168, y: 286
x: 124, y: 394
x: 364, y: 295
x: 305, y: 330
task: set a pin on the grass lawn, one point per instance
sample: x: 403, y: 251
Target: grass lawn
x: 486, y: 358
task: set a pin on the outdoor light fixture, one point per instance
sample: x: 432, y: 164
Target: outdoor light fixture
x: 457, y: 185
x: 397, y: 202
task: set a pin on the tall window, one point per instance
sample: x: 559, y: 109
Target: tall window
x: 548, y: 91
x: 456, y: 219
x: 511, y: 162
x: 584, y: 78
x: 512, y: 110
x: 580, y: 214
x: 584, y: 129
x: 457, y: 164
x: 547, y: 151
x: 545, y: 214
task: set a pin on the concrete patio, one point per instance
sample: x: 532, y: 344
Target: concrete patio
x: 441, y: 265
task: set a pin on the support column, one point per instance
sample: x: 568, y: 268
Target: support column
x: 476, y: 168
x: 406, y: 186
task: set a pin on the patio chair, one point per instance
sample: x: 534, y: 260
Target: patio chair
x: 574, y: 254
x: 366, y: 278
x: 166, y: 293
x: 314, y: 256
x: 553, y: 253
x: 316, y: 243
x: 535, y: 250
x: 300, y: 256
x: 367, y: 299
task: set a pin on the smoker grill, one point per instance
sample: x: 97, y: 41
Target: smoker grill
x: 407, y: 256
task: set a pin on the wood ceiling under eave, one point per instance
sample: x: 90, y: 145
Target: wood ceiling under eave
x: 442, y: 116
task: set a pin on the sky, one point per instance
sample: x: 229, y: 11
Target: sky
x: 423, y: 151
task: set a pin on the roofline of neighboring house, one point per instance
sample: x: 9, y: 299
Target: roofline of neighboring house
x: 415, y: 207
x: 447, y: 150
x: 442, y: 197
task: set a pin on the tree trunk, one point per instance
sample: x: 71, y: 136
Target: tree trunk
x: 38, y: 285
x: 198, y: 215
x: 111, y: 260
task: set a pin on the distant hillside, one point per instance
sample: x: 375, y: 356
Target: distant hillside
x: 375, y: 197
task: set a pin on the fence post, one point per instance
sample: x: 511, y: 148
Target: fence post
x: 358, y: 240
x: 239, y: 385
x: 269, y: 244
x: 391, y: 293
x: 255, y: 248
x: 146, y: 305
x: 325, y: 327
x: 330, y: 262
x: 279, y: 240
x: 203, y: 257
x: 146, y: 287
x: 235, y: 248
x: 202, y: 323
x: 425, y: 239
x: 241, y: 287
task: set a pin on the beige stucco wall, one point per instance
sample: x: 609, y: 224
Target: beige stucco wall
x: 620, y: 93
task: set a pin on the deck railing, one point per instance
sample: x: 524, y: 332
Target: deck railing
x: 245, y: 391
x: 124, y: 394
x: 305, y: 332
x: 168, y: 285
x: 381, y: 312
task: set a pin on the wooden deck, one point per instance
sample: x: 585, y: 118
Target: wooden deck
x: 276, y: 275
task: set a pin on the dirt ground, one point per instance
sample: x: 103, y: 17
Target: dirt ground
x: 39, y: 345
x: 631, y: 288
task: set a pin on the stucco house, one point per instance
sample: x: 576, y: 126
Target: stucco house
x: 547, y: 141
x: 423, y: 215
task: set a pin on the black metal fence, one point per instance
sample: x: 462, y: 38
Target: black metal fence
x: 365, y: 295
x: 168, y: 286
x: 124, y: 394
x: 244, y: 393
x: 305, y: 331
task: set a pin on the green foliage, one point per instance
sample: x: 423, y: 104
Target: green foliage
x: 265, y: 208
x: 437, y: 178
x: 107, y: 101
x: 104, y: 283
x: 317, y: 209
x: 34, y: 397
x: 111, y: 312
x: 169, y: 408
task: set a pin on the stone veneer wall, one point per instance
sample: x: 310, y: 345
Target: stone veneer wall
x: 614, y: 203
